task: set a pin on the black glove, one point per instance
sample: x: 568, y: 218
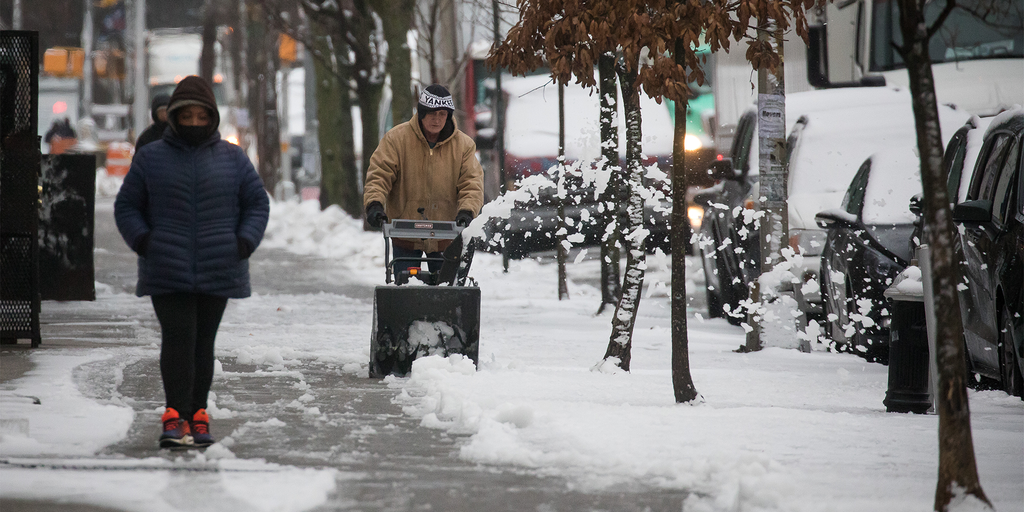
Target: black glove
x: 375, y: 215
x: 244, y: 248
x: 142, y: 246
x: 464, y: 218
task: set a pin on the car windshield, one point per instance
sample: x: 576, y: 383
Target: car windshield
x: 975, y: 29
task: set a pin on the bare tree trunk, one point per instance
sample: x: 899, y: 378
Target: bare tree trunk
x: 397, y: 17
x: 958, y: 472
x: 682, y: 381
x: 368, y: 76
x: 427, y: 23
x: 208, y: 55
x: 562, y: 231
x: 621, y: 341
x: 263, y: 94
x: 611, y: 279
x: 339, y: 176
x: 369, y: 101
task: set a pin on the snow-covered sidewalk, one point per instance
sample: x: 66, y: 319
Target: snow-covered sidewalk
x: 776, y: 430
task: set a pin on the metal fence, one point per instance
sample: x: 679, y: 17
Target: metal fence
x: 19, y: 186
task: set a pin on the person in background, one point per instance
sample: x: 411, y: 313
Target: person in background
x: 61, y: 136
x: 158, y: 110
x: 424, y: 168
x: 194, y: 209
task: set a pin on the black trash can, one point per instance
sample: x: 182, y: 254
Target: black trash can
x: 416, y: 321
x: 908, y: 359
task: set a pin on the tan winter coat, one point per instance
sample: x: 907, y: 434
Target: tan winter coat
x: 406, y: 174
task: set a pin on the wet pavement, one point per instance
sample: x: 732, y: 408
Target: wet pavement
x: 385, y: 460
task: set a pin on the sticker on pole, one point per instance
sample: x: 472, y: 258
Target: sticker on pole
x: 771, y: 116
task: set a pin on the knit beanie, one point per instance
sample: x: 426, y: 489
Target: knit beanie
x: 193, y: 90
x: 435, y: 97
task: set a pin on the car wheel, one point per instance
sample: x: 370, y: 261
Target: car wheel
x: 1009, y: 367
x: 736, y: 316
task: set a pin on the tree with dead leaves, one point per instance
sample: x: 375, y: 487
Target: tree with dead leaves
x: 569, y: 36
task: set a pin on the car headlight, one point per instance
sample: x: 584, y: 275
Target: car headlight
x: 696, y: 215
x: 692, y: 142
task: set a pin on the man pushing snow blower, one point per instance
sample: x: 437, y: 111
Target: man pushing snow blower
x: 426, y: 169
x: 424, y: 174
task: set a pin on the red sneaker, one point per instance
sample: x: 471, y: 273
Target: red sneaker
x: 176, y: 432
x: 200, y: 425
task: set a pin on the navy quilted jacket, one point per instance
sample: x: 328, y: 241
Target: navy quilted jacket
x: 195, y: 202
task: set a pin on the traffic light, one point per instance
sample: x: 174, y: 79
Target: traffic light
x: 63, y: 61
x: 287, y: 49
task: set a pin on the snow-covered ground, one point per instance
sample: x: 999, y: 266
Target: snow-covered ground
x: 776, y: 430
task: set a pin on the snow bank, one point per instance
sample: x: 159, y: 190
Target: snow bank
x: 47, y: 414
x: 159, y: 485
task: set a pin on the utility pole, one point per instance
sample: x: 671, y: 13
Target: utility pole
x: 141, y: 104
x: 87, y: 37
x: 771, y: 138
x: 16, y: 16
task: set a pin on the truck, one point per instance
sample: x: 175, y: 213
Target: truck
x: 977, y: 58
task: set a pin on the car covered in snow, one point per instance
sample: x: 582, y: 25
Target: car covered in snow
x: 867, y: 246
x: 831, y: 133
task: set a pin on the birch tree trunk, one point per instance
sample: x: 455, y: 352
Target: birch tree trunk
x: 682, y: 381
x: 611, y: 277
x: 958, y: 472
x: 621, y: 341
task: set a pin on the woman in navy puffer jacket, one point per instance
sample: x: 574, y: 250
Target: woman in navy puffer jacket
x: 193, y: 207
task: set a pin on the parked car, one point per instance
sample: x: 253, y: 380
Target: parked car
x: 991, y: 231
x: 831, y: 133
x: 727, y: 257
x: 867, y: 246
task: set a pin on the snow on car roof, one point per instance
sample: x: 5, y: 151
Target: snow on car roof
x: 975, y: 139
x: 836, y: 140
x: 531, y: 121
x: 895, y: 177
x: 1005, y: 117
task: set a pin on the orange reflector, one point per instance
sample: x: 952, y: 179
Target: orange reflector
x: 413, y: 271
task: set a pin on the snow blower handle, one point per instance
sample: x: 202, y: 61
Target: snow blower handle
x: 416, y: 229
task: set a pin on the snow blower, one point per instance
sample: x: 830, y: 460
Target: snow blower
x: 439, y: 315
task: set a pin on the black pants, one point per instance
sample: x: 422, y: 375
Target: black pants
x: 188, y: 326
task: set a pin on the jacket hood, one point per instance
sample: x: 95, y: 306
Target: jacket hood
x: 160, y: 100
x: 193, y: 90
